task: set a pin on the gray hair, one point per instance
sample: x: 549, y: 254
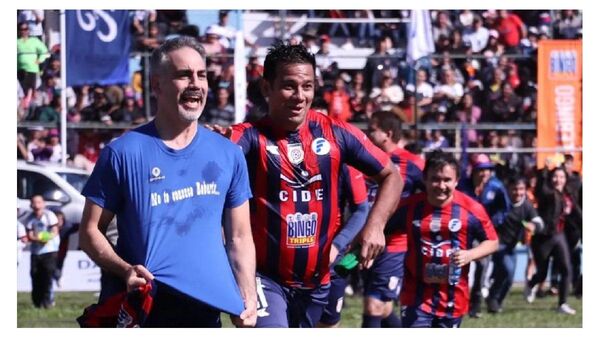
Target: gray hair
x: 159, y: 55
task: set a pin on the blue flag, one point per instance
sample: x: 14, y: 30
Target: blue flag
x: 98, y: 44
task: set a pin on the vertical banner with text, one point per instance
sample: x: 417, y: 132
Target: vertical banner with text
x: 559, y: 117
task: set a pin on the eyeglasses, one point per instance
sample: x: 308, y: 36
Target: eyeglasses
x: 24, y: 29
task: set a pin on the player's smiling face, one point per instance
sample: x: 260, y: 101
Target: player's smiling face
x: 290, y: 94
x: 440, y: 184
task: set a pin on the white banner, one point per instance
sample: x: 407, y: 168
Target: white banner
x: 79, y: 273
x: 420, y: 35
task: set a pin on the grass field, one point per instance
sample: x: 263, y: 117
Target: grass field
x: 516, y: 314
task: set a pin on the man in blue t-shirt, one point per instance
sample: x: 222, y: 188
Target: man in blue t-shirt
x: 171, y: 186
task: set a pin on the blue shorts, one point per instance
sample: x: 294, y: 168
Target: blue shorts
x: 281, y: 306
x: 413, y: 317
x: 332, y: 313
x: 383, y: 280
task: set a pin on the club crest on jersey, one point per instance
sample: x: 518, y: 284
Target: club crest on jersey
x: 435, y: 225
x: 301, y: 230
x: 320, y: 146
x: 155, y: 174
x: 454, y: 225
x: 295, y: 153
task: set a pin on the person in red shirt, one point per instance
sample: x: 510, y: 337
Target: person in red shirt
x: 441, y: 224
x: 511, y: 29
x: 338, y: 101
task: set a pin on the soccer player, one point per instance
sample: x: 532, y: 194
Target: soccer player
x: 170, y: 184
x: 384, y: 279
x: 352, y: 197
x: 488, y: 190
x: 440, y: 223
x: 294, y: 157
x: 521, y: 217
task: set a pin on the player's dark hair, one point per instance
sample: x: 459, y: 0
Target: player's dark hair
x: 437, y: 159
x: 159, y: 55
x: 281, y: 53
x: 388, y: 121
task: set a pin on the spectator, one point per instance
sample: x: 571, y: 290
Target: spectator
x: 423, y: 90
x: 99, y: 109
x: 442, y: 25
x: 140, y: 19
x: 43, y: 95
x: 449, y: 92
x: 494, y: 48
x: 327, y: 68
x: 36, y: 148
x: 511, y: 30
x: 338, y: 101
x: 381, y: 60
x: 220, y: 112
x: 170, y: 22
x: 152, y: 41
x: 129, y: 112
x: 54, y: 144
x: 458, y: 45
x: 469, y: 113
x: 21, y: 240
x: 466, y: 18
x: 520, y: 219
x: 254, y: 70
x: 569, y: 25
x: 508, y: 107
x: 224, y: 32
x: 437, y: 140
x: 31, y: 52
x: 34, y: 20
x: 476, y: 35
x: 487, y: 189
x: 555, y: 205
x: 49, y: 113
x: 42, y: 232
x: 387, y: 95
x: 357, y: 94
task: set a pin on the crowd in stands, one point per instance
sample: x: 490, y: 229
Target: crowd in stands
x: 483, y: 70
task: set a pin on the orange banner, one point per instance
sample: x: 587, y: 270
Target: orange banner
x: 559, y: 116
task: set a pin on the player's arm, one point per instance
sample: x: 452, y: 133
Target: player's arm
x: 96, y: 246
x: 371, y: 238
x: 242, y: 257
x: 485, y: 248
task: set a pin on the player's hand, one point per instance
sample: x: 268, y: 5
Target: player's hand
x: 137, y: 275
x: 372, y: 242
x: 248, y: 317
x: 224, y: 131
x: 461, y: 257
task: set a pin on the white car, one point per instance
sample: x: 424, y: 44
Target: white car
x: 60, y: 186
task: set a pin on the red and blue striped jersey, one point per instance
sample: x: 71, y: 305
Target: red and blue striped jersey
x: 410, y: 167
x: 432, y: 232
x: 295, y: 181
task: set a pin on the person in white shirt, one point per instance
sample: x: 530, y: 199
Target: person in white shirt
x: 42, y: 232
x: 477, y: 35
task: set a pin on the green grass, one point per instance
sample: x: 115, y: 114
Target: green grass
x: 516, y: 314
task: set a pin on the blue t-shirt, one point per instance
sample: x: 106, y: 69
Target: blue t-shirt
x: 169, y: 205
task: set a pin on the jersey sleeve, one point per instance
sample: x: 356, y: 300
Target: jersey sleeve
x: 241, y: 134
x: 358, y: 187
x: 358, y: 151
x: 102, y: 187
x: 239, y: 189
x: 52, y: 219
